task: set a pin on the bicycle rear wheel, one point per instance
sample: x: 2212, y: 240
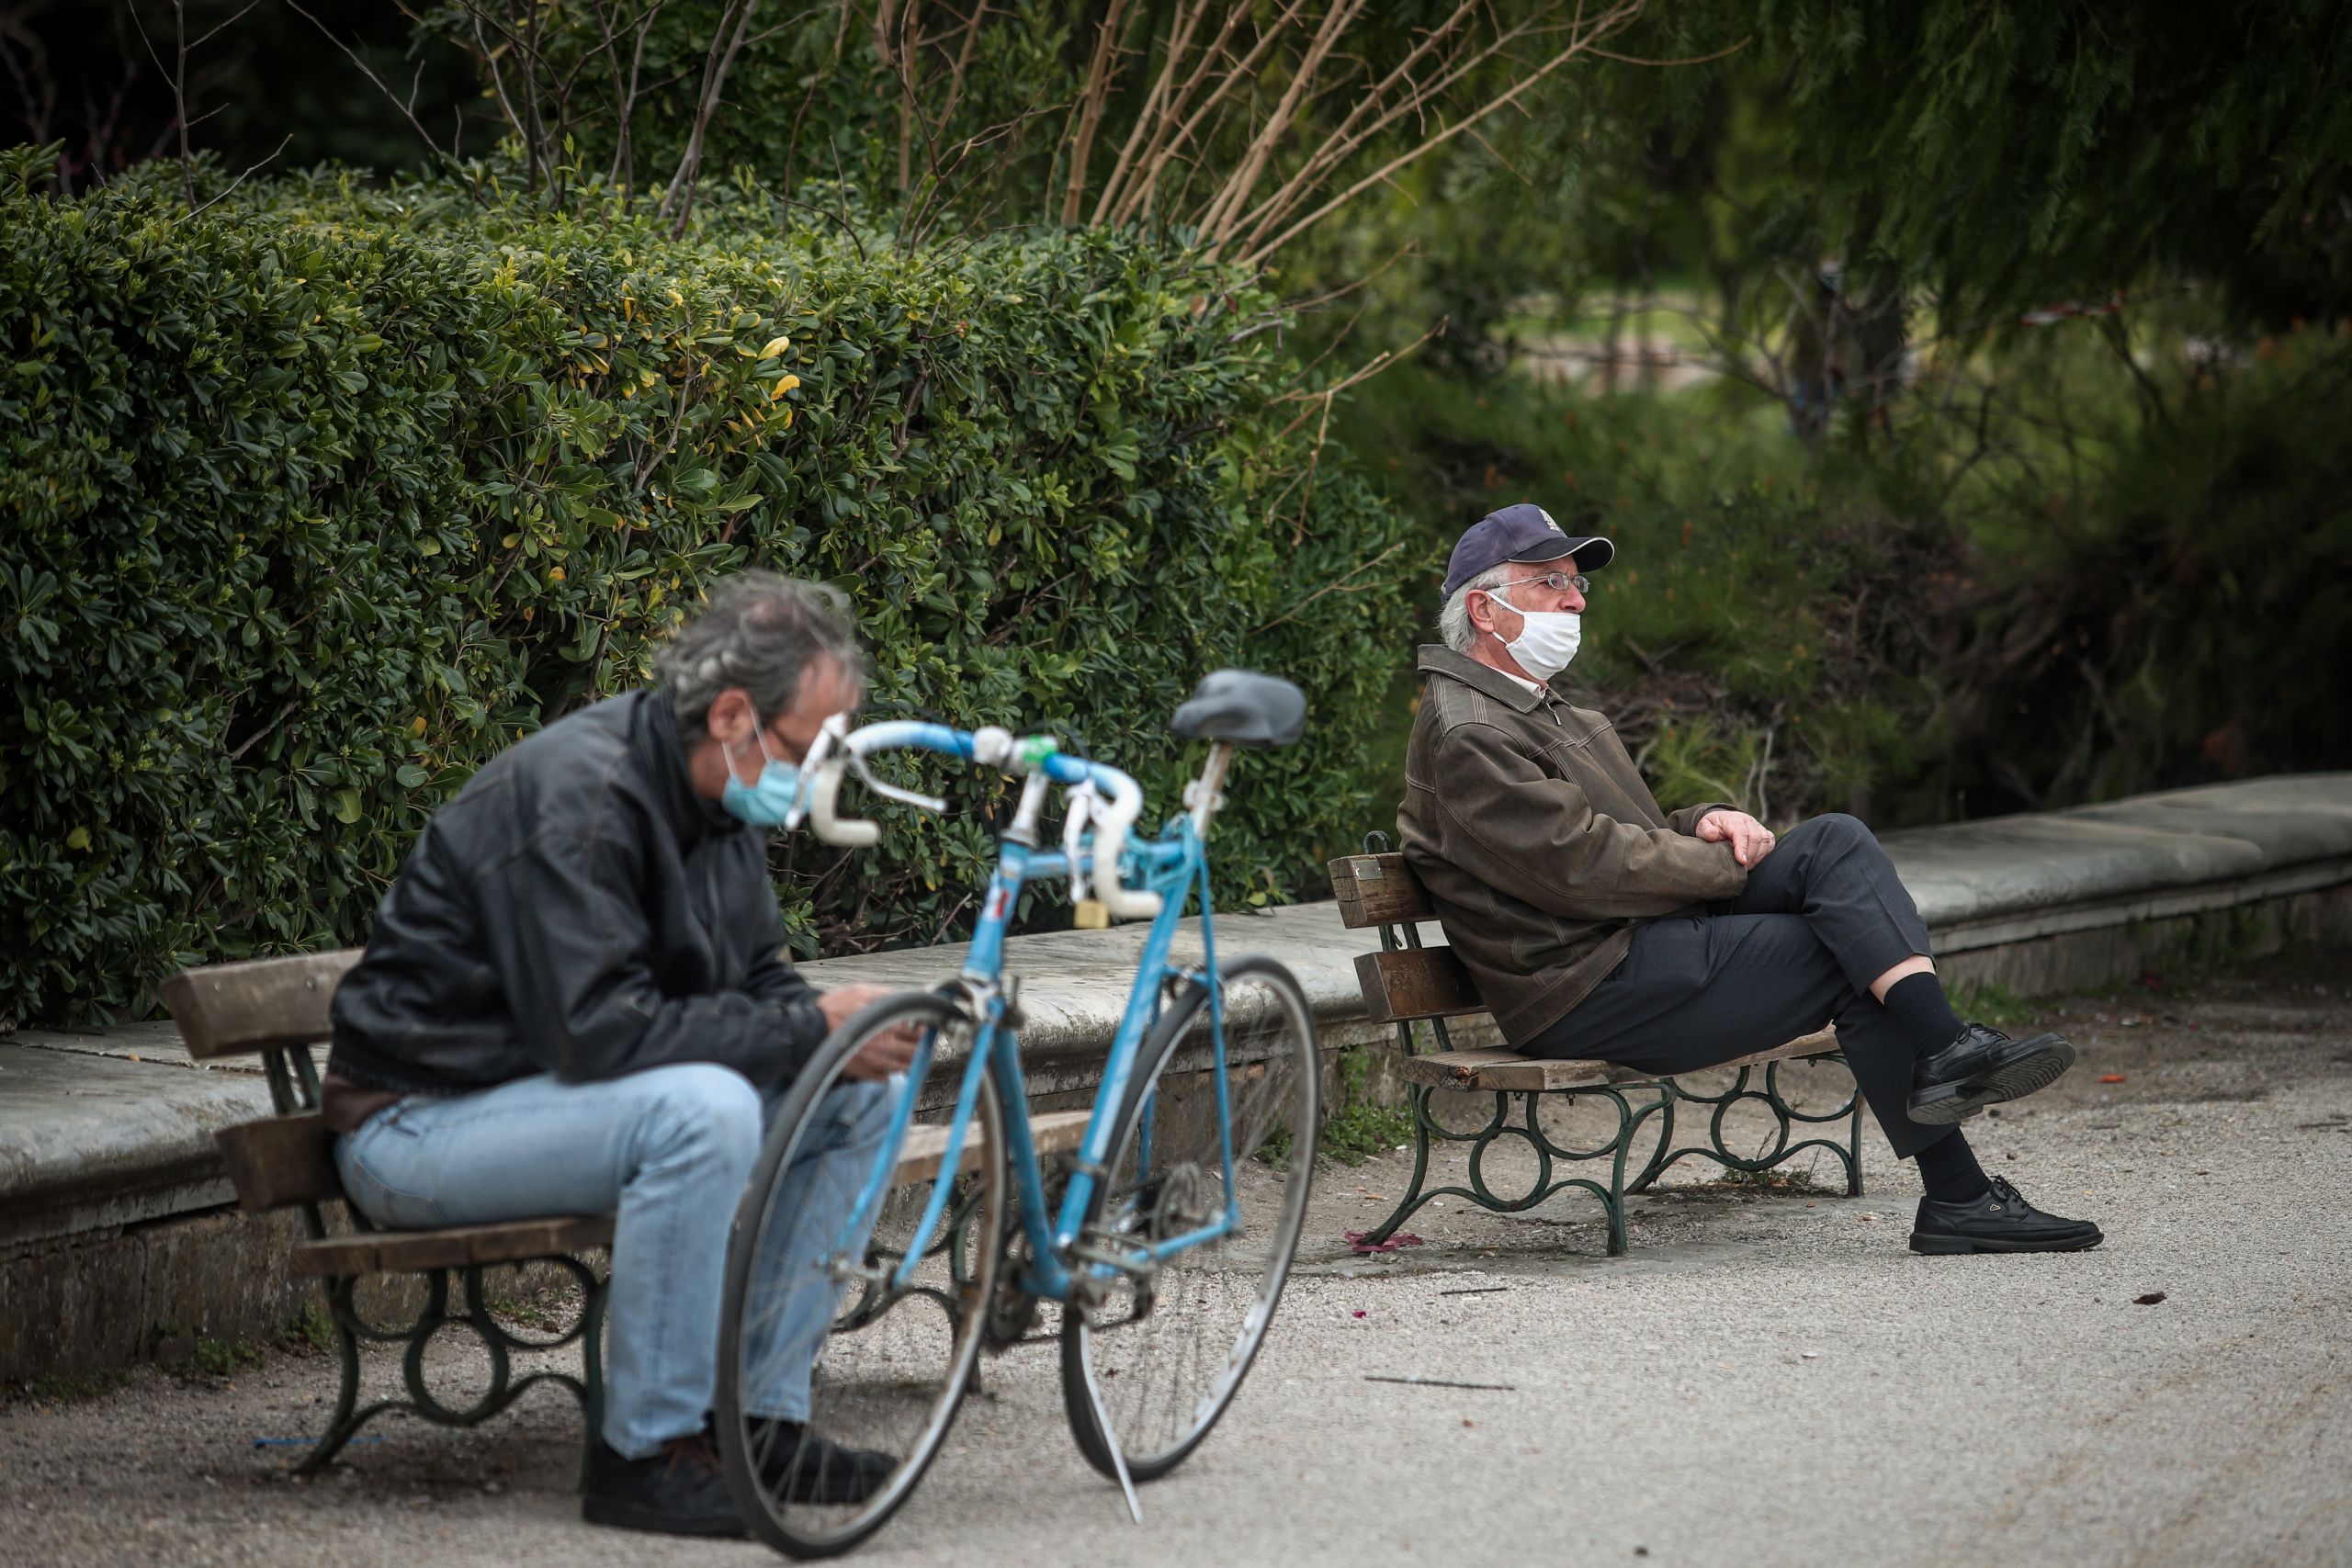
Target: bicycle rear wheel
x: 1168, y: 1351
x: 888, y: 1364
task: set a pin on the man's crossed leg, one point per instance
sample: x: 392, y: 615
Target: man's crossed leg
x: 1825, y: 931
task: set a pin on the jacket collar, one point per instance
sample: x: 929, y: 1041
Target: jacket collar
x: 1436, y: 659
x: 663, y: 751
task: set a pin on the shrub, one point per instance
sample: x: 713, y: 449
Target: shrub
x: 318, y: 497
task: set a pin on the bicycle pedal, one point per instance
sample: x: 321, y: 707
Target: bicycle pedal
x: 1090, y: 915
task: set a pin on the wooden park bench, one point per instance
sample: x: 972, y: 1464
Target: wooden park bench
x: 1406, y: 984
x: 278, y: 1008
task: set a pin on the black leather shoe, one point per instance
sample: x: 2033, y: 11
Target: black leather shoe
x: 2001, y: 1221
x: 682, y: 1490
x: 1982, y: 1067
x: 808, y: 1468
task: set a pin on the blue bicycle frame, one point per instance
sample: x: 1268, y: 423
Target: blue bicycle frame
x: 1175, y: 866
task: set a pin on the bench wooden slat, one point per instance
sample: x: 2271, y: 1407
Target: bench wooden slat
x: 1377, y: 890
x: 398, y: 1252
x: 393, y: 1252
x: 1507, y: 1071
x: 1471, y: 1070
x: 919, y: 1160
x: 229, y: 1009
x: 1417, y: 982
x: 281, y: 1161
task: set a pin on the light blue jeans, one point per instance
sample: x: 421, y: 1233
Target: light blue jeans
x: 671, y: 1148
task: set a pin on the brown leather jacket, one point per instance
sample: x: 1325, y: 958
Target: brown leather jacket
x: 1540, y: 844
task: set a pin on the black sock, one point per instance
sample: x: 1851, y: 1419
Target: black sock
x: 1917, y: 1005
x: 1948, y: 1169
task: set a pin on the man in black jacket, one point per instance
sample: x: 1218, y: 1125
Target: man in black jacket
x: 575, y: 1002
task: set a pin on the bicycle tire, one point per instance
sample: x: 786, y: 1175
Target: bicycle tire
x: 809, y: 1529
x: 1137, y: 1196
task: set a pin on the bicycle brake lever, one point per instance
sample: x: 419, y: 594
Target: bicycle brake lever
x: 892, y: 792
x: 828, y: 736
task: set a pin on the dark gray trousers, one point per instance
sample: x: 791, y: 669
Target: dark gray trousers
x: 1822, y: 916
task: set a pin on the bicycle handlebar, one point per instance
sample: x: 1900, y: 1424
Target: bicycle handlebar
x: 839, y: 750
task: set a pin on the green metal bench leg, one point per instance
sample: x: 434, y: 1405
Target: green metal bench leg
x: 1854, y: 1147
x: 1419, y: 1098
x: 341, y: 1426
x: 592, y: 1355
x: 350, y: 1329
x: 1658, y: 1157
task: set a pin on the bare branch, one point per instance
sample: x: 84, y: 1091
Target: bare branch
x: 408, y: 110
x: 1101, y: 69
x: 241, y: 179
x: 678, y: 199
x: 1581, y: 40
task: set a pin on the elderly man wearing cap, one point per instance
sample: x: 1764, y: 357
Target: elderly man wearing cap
x: 1599, y: 927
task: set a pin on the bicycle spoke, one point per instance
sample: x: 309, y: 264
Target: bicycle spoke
x: 1166, y: 1377
x: 888, y: 1362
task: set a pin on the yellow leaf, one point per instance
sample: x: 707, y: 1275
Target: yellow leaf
x: 79, y: 839
x: 556, y: 575
x: 776, y: 345
x: 416, y: 725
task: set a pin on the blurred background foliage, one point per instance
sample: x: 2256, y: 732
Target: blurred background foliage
x: 1964, y: 382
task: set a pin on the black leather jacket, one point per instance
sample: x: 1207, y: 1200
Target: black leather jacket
x: 577, y: 910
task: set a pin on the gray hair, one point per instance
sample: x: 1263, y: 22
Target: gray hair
x: 760, y: 632
x: 1453, y: 625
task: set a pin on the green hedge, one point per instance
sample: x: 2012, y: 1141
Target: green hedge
x: 317, y: 498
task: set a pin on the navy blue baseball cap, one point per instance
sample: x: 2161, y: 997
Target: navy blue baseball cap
x: 1524, y: 532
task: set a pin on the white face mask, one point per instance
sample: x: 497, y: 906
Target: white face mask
x: 1548, y: 639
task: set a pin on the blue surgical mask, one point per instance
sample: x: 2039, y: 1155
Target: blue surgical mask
x: 767, y: 803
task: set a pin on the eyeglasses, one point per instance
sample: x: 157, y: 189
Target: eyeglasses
x: 1557, y: 582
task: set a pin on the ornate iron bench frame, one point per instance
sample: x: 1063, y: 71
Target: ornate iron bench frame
x: 278, y: 1008
x: 1406, y: 984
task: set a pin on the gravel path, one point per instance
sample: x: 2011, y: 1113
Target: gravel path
x: 1769, y: 1378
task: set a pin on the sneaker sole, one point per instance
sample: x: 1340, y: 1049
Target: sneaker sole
x: 2035, y: 1064
x: 1953, y: 1246
x: 630, y: 1517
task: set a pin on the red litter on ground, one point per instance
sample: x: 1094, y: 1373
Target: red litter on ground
x: 1402, y: 1238
x: 2110, y: 1078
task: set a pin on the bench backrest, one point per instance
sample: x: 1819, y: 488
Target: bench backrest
x: 276, y: 1007
x: 1404, y: 981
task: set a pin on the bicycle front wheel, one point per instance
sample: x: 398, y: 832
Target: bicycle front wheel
x: 1168, y: 1348
x: 816, y: 1336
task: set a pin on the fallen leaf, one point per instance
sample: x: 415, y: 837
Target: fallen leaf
x: 1402, y: 1238
x: 2151, y: 1299
x: 2110, y: 1078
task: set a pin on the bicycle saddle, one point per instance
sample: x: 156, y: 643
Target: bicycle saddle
x: 1244, y: 707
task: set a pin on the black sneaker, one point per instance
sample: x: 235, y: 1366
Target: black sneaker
x: 2001, y: 1221
x: 1982, y: 1067
x: 682, y: 1490
x: 808, y: 1468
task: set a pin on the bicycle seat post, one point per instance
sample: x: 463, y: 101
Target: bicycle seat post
x: 1206, y: 793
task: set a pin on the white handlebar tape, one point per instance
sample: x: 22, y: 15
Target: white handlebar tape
x: 850, y: 832
x: 1110, y: 838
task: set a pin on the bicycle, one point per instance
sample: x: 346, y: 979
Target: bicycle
x: 1168, y: 1245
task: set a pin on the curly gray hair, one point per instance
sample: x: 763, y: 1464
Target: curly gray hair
x: 760, y: 632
